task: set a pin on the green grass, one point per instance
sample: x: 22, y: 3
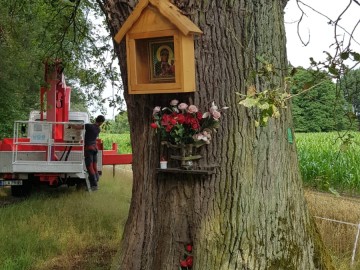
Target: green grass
x: 64, y: 226
x: 66, y: 229
x: 326, y: 163
x: 122, y: 140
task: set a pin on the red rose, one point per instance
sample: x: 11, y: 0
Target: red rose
x: 183, y: 263
x: 154, y: 125
x: 199, y: 115
x: 165, y: 119
x: 173, y: 121
x: 181, y: 118
x: 195, y: 124
x: 189, y: 261
x: 188, y: 248
x: 169, y: 128
x: 188, y: 118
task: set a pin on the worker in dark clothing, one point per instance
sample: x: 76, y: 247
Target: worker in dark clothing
x: 90, y: 150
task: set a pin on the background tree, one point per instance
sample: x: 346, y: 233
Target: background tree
x: 350, y: 85
x: 33, y: 31
x: 251, y: 214
x: 121, y: 124
x: 321, y: 109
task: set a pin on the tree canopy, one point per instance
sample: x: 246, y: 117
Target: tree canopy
x: 350, y: 85
x: 320, y: 109
x: 32, y: 32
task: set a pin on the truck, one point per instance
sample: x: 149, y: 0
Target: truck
x: 48, y: 148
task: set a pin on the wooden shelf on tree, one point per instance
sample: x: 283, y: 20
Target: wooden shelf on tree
x: 206, y: 171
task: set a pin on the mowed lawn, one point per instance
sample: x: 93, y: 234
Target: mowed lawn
x: 63, y: 228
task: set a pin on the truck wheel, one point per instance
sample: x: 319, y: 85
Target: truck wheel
x: 21, y: 191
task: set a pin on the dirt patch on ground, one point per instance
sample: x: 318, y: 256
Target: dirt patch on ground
x: 91, y: 258
x: 6, y: 198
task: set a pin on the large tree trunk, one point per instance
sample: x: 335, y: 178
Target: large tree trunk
x: 251, y: 214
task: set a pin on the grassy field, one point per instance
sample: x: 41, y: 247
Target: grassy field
x: 122, y: 140
x: 327, y: 164
x: 64, y: 228
x: 338, y: 237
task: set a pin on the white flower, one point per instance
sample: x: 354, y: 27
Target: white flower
x: 174, y: 102
x: 205, y: 115
x: 156, y: 110
x: 213, y: 107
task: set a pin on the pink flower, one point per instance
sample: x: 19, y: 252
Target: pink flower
x: 216, y: 115
x: 188, y: 248
x: 182, y: 106
x: 206, y: 134
x: 198, y: 137
x: 174, y: 102
x: 192, y: 109
x: 205, y: 137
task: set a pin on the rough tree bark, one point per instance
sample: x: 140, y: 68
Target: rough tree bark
x: 251, y: 214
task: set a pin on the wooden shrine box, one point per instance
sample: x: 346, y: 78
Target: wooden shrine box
x: 160, y: 48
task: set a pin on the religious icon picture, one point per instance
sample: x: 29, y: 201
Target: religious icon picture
x: 162, y: 60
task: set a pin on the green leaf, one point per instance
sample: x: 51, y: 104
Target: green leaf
x: 249, y: 102
x: 334, y: 191
x: 333, y: 70
x: 264, y: 106
x: 265, y: 119
x: 276, y: 112
x: 356, y: 56
x: 344, y: 55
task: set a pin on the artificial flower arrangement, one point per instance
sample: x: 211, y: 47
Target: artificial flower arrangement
x: 181, y: 124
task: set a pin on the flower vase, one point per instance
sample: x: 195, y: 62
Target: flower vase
x: 185, y: 153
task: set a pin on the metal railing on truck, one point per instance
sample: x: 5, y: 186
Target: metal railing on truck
x: 47, y: 147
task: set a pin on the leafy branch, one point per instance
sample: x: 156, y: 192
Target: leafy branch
x: 269, y: 103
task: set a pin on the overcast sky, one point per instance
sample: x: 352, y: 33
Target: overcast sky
x: 315, y: 29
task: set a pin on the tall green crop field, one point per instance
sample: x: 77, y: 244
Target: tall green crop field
x: 326, y: 163
x: 122, y: 140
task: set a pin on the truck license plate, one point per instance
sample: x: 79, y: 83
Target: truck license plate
x: 11, y: 182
